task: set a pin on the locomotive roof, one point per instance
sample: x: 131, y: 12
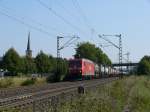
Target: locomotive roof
x: 87, y: 60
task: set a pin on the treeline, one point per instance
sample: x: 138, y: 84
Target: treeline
x: 42, y: 64
x: 57, y: 70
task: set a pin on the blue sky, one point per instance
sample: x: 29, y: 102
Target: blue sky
x: 131, y: 18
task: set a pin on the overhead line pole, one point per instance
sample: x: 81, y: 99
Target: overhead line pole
x: 66, y: 44
x: 58, y: 46
x: 128, y: 60
x: 128, y: 57
x: 117, y: 46
x: 120, y: 51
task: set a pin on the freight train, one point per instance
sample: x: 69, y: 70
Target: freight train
x: 82, y: 69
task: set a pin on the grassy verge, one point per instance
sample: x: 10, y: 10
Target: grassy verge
x: 139, y: 99
x: 20, y: 81
x: 133, y: 92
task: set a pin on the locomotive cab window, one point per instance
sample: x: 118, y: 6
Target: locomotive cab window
x: 75, y: 63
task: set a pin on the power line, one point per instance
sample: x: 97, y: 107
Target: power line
x: 26, y: 24
x: 6, y: 9
x: 66, y: 10
x: 59, y: 16
x: 84, y: 17
x: 76, y: 18
x: 77, y: 6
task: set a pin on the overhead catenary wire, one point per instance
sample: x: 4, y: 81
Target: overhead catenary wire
x: 59, y: 16
x: 6, y: 9
x: 80, y: 11
x: 84, y: 18
x: 92, y: 30
x: 25, y: 23
x: 68, y: 12
x: 73, y: 42
x: 70, y: 41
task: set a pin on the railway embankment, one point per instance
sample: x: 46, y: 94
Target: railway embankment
x: 12, y: 82
x: 130, y: 94
x: 49, y: 96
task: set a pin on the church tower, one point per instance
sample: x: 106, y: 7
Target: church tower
x: 28, y: 51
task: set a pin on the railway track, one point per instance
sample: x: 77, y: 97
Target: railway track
x: 6, y: 93
x: 48, y: 91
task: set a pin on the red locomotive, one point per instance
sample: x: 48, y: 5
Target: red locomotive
x: 81, y: 69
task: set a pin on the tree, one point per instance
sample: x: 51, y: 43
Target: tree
x: 60, y: 71
x: 43, y: 63
x: 144, y: 66
x: 106, y: 60
x: 91, y: 52
x: 12, y: 61
x: 28, y: 65
x: 53, y: 62
x: 86, y: 50
x: 1, y: 65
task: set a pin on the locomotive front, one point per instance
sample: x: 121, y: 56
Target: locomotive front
x: 75, y: 69
x: 81, y: 69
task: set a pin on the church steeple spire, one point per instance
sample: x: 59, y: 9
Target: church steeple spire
x: 28, y: 44
x: 28, y: 51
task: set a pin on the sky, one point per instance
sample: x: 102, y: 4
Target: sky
x: 83, y: 18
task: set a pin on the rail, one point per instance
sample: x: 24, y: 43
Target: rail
x: 49, y: 97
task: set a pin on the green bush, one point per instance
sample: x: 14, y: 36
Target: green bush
x: 144, y: 66
x: 51, y: 78
x: 60, y: 71
x: 28, y: 82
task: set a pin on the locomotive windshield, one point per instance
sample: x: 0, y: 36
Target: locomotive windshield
x: 75, y: 63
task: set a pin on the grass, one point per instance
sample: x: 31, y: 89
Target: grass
x: 20, y: 81
x: 140, y: 99
x: 132, y: 92
x: 7, y: 82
